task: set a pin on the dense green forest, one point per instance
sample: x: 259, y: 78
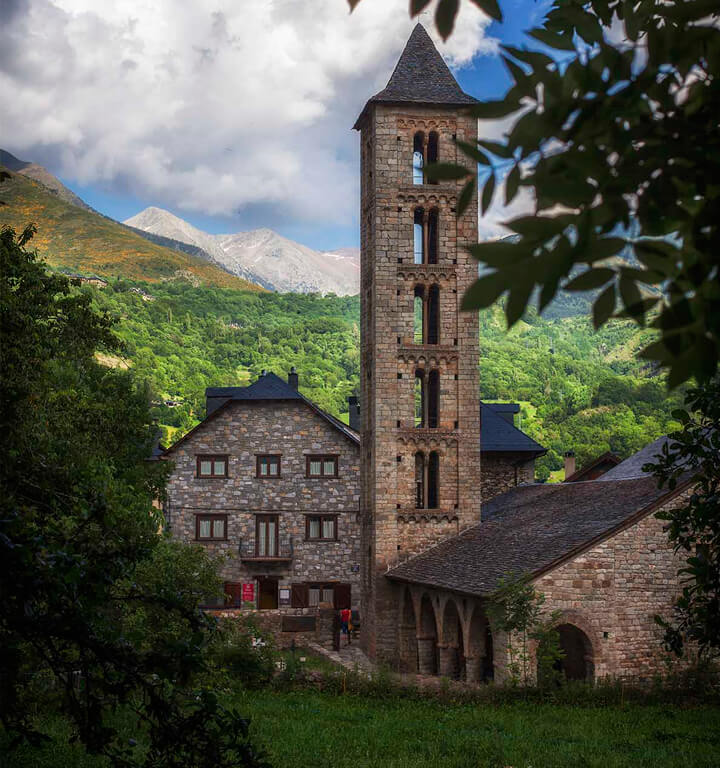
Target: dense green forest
x: 578, y: 389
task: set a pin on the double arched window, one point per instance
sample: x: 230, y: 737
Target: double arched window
x: 426, y: 236
x: 427, y: 399
x: 426, y: 315
x: 425, y: 151
x: 427, y: 480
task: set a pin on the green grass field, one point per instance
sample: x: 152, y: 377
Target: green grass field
x: 316, y: 730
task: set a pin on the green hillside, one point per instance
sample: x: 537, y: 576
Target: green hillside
x: 83, y: 241
x: 578, y: 389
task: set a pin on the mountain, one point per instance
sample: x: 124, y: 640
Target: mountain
x: 263, y: 256
x: 75, y: 237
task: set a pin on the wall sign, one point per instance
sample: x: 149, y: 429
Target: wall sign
x: 284, y: 595
x: 248, y: 594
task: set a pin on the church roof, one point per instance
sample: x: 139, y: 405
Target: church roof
x: 633, y: 465
x: 530, y: 530
x: 421, y: 76
x: 498, y: 434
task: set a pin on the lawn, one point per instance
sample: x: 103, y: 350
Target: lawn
x: 304, y: 729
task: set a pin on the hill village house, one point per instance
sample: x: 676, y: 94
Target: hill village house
x: 413, y: 512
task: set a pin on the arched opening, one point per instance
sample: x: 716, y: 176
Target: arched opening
x: 577, y: 663
x: 408, y: 635
x: 418, y: 162
x: 433, y: 315
x: 433, y: 400
x: 420, y: 399
x: 433, y: 236
x: 419, y: 315
x: 479, y: 664
x: 418, y: 236
x: 420, y: 480
x: 433, y: 480
x: 452, y: 655
x: 433, y: 149
x: 427, y: 639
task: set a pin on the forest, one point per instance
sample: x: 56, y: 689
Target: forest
x: 578, y: 389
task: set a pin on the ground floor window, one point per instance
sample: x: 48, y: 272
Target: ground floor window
x: 314, y: 594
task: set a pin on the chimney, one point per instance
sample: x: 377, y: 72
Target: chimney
x: 354, y: 409
x: 293, y: 379
x: 569, y: 463
x: 262, y: 373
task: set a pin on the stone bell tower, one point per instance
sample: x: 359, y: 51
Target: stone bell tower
x: 420, y: 428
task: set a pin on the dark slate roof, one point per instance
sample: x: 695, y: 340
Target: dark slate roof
x: 632, y: 466
x: 583, y: 473
x: 529, y: 530
x: 498, y: 434
x: 421, y: 76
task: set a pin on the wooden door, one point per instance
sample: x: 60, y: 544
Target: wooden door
x: 268, y: 594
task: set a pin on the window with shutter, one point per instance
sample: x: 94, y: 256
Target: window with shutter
x: 299, y: 597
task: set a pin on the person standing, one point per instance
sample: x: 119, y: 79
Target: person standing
x: 345, y: 616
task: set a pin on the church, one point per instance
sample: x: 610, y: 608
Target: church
x: 414, y: 512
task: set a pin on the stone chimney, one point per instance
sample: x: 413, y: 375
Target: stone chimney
x: 569, y: 463
x: 293, y: 379
x: 354, y: 409
x: 262, y: 373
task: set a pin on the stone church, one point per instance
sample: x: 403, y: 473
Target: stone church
x: 413, y: 513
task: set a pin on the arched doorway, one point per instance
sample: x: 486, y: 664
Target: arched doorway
x: 427, y: 639
x: 577, y: 663
x: 452, y: 652
x: 479, y: 664
x: 408, y: 635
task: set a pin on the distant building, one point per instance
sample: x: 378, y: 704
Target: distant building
x: 98, y: 282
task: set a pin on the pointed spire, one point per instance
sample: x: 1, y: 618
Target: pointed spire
x: 421, y: 76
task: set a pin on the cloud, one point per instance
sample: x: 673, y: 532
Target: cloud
x: 208, y: 108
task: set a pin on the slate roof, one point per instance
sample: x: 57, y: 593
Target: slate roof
x: 421, y: 76
x: 583, y: 473
x: 498, y: 434
x: 530, y: 530
x: 632, y: 466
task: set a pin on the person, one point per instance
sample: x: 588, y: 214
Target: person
x: 345, y: 623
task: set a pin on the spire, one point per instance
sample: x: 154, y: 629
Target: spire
x: 421, y: 76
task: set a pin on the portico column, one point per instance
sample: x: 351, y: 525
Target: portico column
x: 426, y: 655
x: 448, y: 660
x: 473, y: 669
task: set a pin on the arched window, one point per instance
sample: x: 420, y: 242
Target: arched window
x: 433, y: 316
x: 420, y: 480
x: 432, y: 152
x: 433, y: 480
x: 433, y: 400
x: 418, y: 157
x: 419, y: 395
x: 432, y: 237
x: 419, y: 315
x: 419, y: 236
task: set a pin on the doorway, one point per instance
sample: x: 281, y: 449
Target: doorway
x: 267, y: 594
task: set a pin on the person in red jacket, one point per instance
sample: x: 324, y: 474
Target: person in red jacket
x: 345, y: 623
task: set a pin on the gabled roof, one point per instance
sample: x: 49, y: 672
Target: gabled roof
x: 498, y: 434
x: 583, y: 473
x: 632, y: 466
x: 421, y: 76
x: 530, y: 530
x: 267, y: 388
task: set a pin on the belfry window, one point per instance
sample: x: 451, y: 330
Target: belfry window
x: 419, y: 398
x: 433, y: 399
x: 420, y: 480
x: 426, y: 399
x: 419, y: 236
x: 433, y: 480
x: 418, y: 162
x: 419, y: 315
x: 426, y: 236
x: 433, y: 316
x: 427, y: 480
x: 432, y: 237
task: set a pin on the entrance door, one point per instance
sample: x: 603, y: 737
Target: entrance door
x: 268, y: 594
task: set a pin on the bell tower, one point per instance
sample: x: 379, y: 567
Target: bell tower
x: 420, y: 400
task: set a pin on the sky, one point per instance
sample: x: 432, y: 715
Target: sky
x: 232, y: 114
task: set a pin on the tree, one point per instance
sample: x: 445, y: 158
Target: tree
x: 692, y: 454
x: 617, y: 137
x: 80, y: 543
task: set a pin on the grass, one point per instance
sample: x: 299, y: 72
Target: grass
x: 307, y: 729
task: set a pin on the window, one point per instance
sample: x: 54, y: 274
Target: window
x: 418, y: 236
x: 426, y: 315
x: 419, y: 315
x: 426, y: 399
x: 321, y: 527
x: 321, y: 466
x: 432, y: 236
x: 266, y: 535
x: 433, y: 398
x: 418, y: 159
x: 419, y: 398
x: 212, y: 466
x: 321, y: 593
x: 427, y: 480
x: 420, y: 480
x: 426, y: 241
x: 433, y: 493
x: 211, y: 527
x: 268, y: 465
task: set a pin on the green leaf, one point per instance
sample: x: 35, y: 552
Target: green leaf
x: 512, y: 184
x: 466, y: 197
x: 604, y: 306
x: 537, y: 227
x: 495, y: 148
x: 630, y: 295
x: 416, y: 6
x: 603, y: 248
x: 491, y: 110
x: 483, y: 292
x: 590, y: 279
x: 538, y: 61
x: 445, y: 14
x: 517, y: 302
x: 472, y: 151
x: 490, y: 7
x: 487, y: 194
x: 521, y: 78
x: 499, y: 253
x: 445, y: 172
x: 352, y: 4
x: 553, y: 40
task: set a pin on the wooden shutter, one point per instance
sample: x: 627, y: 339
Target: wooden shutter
x: 342, y: 596
x: 299, y: 595
x: 233, y: 590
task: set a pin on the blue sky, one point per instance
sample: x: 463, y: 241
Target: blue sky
x: 198, y: 113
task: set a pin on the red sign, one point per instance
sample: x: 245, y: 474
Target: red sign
x: 248, y: 592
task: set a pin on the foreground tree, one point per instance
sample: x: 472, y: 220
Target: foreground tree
x: 93, y: 599
x: 693, y: 454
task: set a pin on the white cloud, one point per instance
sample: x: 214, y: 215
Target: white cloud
x: 205, y: 107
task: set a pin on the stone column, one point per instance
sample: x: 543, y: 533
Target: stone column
x: 448, y: 660
x: 408, y: 652
x: 426, y: 655
x: 473, y: 669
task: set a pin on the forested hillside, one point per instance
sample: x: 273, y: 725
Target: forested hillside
x: 578, y: 389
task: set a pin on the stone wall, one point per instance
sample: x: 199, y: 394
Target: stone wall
x: 500, y: 472
x: 293, y: 430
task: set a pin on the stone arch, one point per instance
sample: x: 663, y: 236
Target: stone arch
x: 479, y: 664
x: 408, y: 633
x: 579, y: 660
x: 427, y: 637
x: 452, y: 647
